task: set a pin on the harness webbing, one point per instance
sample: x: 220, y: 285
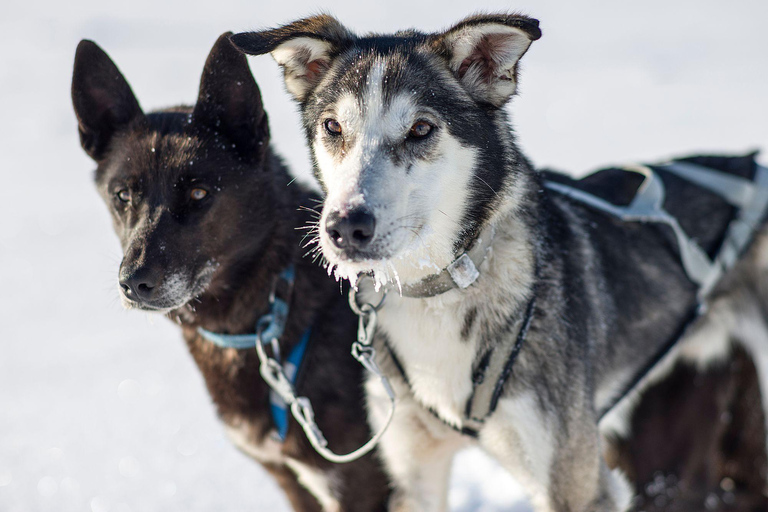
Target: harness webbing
x: 483, y: 400
x: 750, y: 197
x: 491, y: 376
x: 269, y: 329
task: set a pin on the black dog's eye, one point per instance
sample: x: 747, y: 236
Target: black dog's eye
x: 332, y: 126
x: 124, y: 195
x: 197, y: 194
x: 420, y: 129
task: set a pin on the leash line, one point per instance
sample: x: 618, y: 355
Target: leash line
x: 281, y: 377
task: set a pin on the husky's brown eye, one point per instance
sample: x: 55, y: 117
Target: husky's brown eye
x: 198, y: 193
x: 420, y: 129
x: 124, y: 195
x: 332, y: 126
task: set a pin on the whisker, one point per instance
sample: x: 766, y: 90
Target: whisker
x: 486, y: 184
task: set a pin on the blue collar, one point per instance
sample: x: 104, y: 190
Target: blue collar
x: 270, y: 328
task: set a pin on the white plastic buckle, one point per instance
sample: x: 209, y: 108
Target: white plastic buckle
x: 463, y: 271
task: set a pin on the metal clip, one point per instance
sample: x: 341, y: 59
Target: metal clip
x: 365, y: 354
x: 270, y: 328
x: 305, y: 416
x: 366, y: 326
x: 274, y: 376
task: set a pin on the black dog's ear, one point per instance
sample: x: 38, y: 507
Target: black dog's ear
x: 483, y: 52
x: 304, y: 49
x: 103, y: 100
x: 230, y: 103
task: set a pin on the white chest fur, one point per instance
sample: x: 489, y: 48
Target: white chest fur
x: 426, y: 336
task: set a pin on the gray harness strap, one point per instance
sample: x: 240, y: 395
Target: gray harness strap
x: 750, y: 197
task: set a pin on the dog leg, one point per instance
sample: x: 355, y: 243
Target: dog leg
x: 300, y: 498
x: 417, y: 451
x: 560, y: 465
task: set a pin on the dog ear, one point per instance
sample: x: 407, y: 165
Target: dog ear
x: 483, y: 52
x: 103, y: 100
x: 304, y: 49
x: 229, y: 101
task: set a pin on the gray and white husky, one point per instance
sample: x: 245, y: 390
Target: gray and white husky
x: 494, y: 278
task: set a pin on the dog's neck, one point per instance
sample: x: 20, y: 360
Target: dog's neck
x: 239, y: 295
x: 504, y: 239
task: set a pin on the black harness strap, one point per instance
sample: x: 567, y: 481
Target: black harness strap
x: 521, y: 337
x: 478, y: 378
x: 695, y: 265
x: 749, y: 196
x: 651, y: 364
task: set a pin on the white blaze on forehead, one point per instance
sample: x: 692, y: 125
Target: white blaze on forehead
x: 373, y: 100
x: 431, y: 194
x: 368, y: 123
x: 382, y: 121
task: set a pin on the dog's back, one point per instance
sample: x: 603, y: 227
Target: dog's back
x: 710, y: 417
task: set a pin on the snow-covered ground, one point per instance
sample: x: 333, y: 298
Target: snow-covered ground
x: 102, y: 410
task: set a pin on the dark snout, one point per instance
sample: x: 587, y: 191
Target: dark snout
x: 140, y: 285
x: 351, y: 229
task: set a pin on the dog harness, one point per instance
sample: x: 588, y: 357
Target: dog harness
x: 269, y: 329
x: 281, y: 377
x: 749, y: 197
x: 491, y: 373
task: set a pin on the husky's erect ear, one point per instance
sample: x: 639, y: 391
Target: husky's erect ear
x: 483, y: 52
x: 103, y: 100
x: 303, y: 48
x: 230, y: 103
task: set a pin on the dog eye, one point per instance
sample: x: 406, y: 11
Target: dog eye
x: 124, y: 195
x: 332, y: 126
x: 420, y: 130
x: 198, y: 193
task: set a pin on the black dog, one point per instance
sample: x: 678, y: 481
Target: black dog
x: 207, y: 224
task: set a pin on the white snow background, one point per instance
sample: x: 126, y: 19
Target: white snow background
x: 102, y: 410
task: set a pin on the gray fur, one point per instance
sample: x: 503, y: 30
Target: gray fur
x: 608, y: 294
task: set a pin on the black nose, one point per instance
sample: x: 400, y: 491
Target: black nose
x: 140, y: 285
x: 354, y: 228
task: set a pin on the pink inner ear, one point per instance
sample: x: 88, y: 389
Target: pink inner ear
x: 315, y: 69
x: 490, y: 51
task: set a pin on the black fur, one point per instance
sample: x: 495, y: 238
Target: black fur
x: 247, y: 226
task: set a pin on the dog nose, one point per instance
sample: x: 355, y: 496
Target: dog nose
x: 140, y: 285
x: 354, y: 229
